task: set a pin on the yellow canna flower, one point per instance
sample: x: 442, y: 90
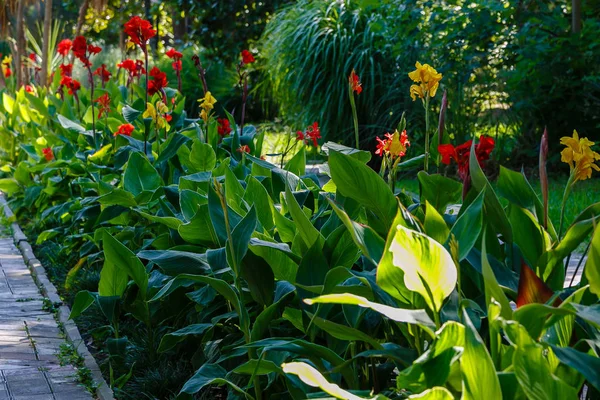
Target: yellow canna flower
x: 129, y: 45
x: 161, y: 107
x: 427, y: 81
x: 579, y: 155
x: 204, y: 115
x: 208, y: 102
x: 150, y: 112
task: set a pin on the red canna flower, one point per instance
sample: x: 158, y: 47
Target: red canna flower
x: 80, y: 50
x: 33, y: 57
x: 224, y: 128
x: 29, y: 88
x: 244, y: 149
x: 134, y: 68
x: 168, y: 117
x: 48, y: 154
x: 158, y: 82
x: 355, y: 84
x: 139, y: 31
x: 247, y: 57
x: 7, y: 72
x: 313, y: 133
x: 103, y: 73
x: 63, y: 47
x: 66, y: 70
x: 103, y: 104
x: 299, y: 135
x: 72, y: 84
x: 94, y: 49
x: 174, y: 54
x: 177, y: 65
x: 124, y: 129
x: 460, y: 154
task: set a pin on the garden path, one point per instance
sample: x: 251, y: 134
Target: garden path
x: 30, y: 338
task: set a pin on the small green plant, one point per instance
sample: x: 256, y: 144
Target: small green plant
x: 67, y: 355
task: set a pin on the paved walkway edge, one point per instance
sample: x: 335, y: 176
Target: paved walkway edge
x: 103, y: 391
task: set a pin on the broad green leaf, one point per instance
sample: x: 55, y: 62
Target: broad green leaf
x: 257, y: 194
x: 368, y: 241
x: 240, y: 236
x: 343, y: 332
x: 83, y: 300
x: 492, y: 288
x: 171, y: 222
x: 587, y: 365
x: 283, y: 262
x: 234, y: 192
x: 435, y: 393
x: 494, y: 212
x: 427, y: 266
x: 9, y: 185
x: 305, y: 228
x: 8, y: 102
x: 70, y: 125
x: 257, y: 367
x: 533, y: 316
x: 209, y: 374
x: 592, y: 265
x: 200, y: 229
x: 527, y: 233
x: 479, y: 375
x: 175, y: 262
x: 439, y: 190
x: 123, y: 258
x: 359, y: 182
x: 118, y: 197
x: 130, y: 114
x: 312, y: 377
x: 533, y: 372
x: 435, y: 226
x: 170, y: 340
x: 202, y: 157
x: 360, y: 155
x: 468, y: 226
x: 297, y: 164
x: 418, y: 317
x: 140, y: 175
x: 190, y: 201
x: 435, y: 366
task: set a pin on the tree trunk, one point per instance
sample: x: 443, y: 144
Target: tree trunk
x: 82, y: 12
x: 20, y: 47
x: 46, y: 44
x: 576, y: 15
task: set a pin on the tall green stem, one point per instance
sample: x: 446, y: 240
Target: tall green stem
x: 355, y: 118
x: 568, y: 188
x: 426, y: 103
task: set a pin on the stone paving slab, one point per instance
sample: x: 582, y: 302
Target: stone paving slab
x: 30, y: 338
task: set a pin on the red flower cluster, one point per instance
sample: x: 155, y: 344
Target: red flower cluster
x: 247, y: 57
x: 124, y: 129
x: 103, y: 73
x: 355, y: 83
x: 244, y: 149
x: 460, y: 154
x: 176, y: 57
x: 29, y: 88
x: 311, y: 135
x: 103, y: 104
x: 48, y: 154
x: 66, y: 70
x: 224, y: 128
x: 63, y: 47
x: 139, y: 31
x: 134, y: 68
x: 72, y: 84
x: 158, y: 82
x: 82, y: 50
